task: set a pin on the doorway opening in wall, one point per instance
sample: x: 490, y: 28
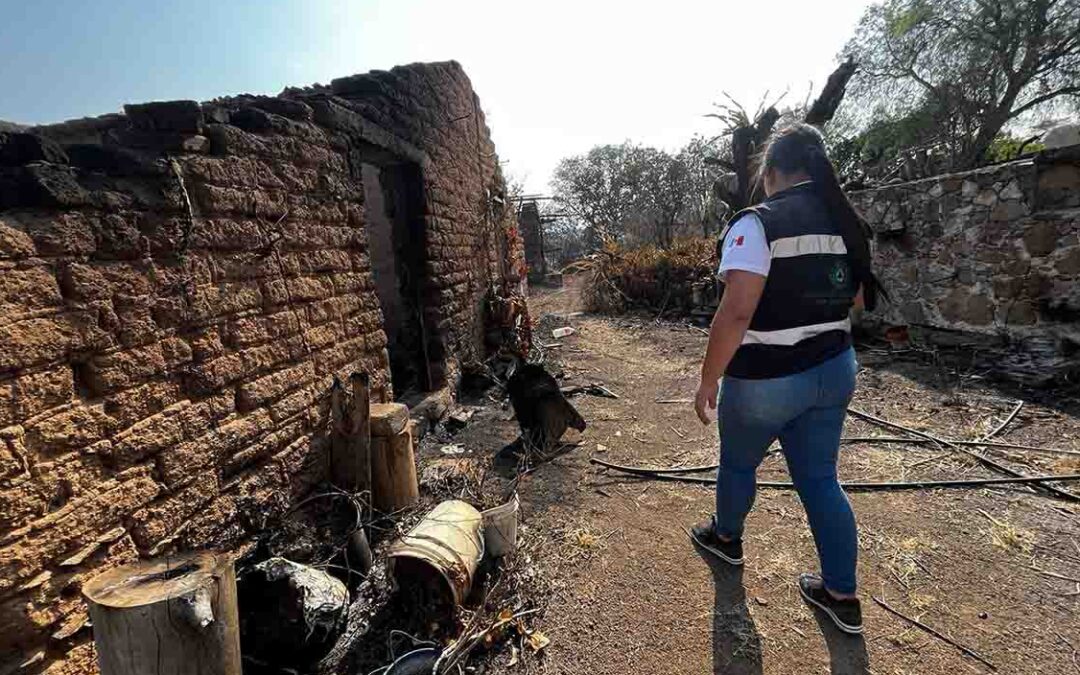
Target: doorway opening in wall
x: 393, y: 210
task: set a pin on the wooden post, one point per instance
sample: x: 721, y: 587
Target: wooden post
x: 350, y: 465
x: 174, y: 616
x: 393, y: 471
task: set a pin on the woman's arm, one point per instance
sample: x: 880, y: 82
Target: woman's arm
x: 742, y: 292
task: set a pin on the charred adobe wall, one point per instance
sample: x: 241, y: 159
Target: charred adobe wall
x: 178, y: 285
x: 993, y: 252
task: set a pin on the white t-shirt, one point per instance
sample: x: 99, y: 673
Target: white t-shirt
x: 745, y: 247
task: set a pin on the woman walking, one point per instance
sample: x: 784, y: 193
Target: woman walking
x: 793, y: 267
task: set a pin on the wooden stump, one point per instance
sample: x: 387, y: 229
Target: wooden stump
x: 393, y: 472
x: 174, y: 615
x: 350, y: 462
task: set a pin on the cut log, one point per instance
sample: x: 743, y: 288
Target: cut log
x: 388, y: 419
x: 174, y: 615
x: 393, y: 472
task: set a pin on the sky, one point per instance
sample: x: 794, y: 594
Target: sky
x: 554, y: 78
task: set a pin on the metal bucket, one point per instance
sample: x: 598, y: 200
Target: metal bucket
x: 500, y: 528
x: 450, y: 541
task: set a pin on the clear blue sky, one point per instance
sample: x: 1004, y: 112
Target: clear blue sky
x: 555, y: 77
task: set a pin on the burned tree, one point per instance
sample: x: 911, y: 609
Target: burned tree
x: 748, y: 135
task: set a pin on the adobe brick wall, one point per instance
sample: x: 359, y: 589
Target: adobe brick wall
x: 178, y: 285
x: 993, y: 252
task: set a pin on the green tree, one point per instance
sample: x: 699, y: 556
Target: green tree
x: 602, y: 188
x: 965, y: 68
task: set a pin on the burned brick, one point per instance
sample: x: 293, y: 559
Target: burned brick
x: 166, y: 116
x: 19, y: 148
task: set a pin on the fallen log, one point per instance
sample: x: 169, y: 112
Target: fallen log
x: 175, y: 615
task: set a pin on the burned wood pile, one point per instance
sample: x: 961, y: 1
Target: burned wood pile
x: 370, y: 572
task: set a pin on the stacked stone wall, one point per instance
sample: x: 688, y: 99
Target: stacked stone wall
x: 178, y: 286
x: 992, y: 252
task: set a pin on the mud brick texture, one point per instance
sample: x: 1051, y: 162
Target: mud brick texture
x: 993, y: 252
x: 179, y: 285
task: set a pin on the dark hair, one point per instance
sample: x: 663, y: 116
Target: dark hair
x: 800, y: 147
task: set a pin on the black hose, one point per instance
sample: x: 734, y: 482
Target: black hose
x: 665, y: 475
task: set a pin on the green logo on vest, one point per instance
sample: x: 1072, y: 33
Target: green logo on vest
x: 838, y: 275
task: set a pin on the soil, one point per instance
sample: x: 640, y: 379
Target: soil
x: 620, y: 589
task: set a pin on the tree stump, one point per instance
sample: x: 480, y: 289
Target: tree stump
x: 174, y: 615
x: 393, y: 472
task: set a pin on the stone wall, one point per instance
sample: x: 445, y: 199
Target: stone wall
x: 993, y: 252
x: 178, y: 286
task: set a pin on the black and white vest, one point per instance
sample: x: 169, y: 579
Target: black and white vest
x: 802, y: 319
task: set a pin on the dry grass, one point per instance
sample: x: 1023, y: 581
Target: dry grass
x: 1009, y: 537
x: 649, y: 276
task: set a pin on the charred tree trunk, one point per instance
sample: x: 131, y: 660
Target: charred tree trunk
x: 174, y: 616
x: 747, y: 142
x: 824, y: 107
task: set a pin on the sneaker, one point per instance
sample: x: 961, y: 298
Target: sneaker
x: 846, y: 614
x: 704, y: 533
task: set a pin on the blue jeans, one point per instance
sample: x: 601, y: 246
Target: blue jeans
x: 806, y: 412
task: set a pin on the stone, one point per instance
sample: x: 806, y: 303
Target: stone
x: 1022, y: 313
x: 1012, y: 191
x: 1040, y: 238
x: 166, y: 116
x: 41, y: 185
x: 986, y: 198
x: 964, y: 306
x: 197, y: 144
x: 388, y: 419
x: 1009, y: 210
x: 969, y: 189
x: 14, y: 244
x: 17, y: 149
x: 1069, y: 263
x: 252, y: 119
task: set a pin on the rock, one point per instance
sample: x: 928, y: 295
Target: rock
x: 290, y: 614
x: 252, y: 119
x: 17, y: 149
x: 388, y: 419
x: 1009, y: 210
x: 295, y: 110
x: 1012, y: 191
x: 1041, y: 238
x: 197, y: 143
x: 170, y: 116
x: 961, y: 305
x: 1069, y: 263
x: 41, y: 185
x: 986, y: 198
x: 1022, y: 313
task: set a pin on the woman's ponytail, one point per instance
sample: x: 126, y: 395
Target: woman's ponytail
x: 799, y: 147
x: 853, y: 227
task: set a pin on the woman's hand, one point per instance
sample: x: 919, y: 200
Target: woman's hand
x: 705, y: 400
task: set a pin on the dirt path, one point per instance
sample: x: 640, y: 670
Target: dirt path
x: 628, y: 594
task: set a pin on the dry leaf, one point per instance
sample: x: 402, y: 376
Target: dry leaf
x: 514, y: 654
x: 538, y: 640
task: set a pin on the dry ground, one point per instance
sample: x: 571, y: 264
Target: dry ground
x: 624, y: 592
